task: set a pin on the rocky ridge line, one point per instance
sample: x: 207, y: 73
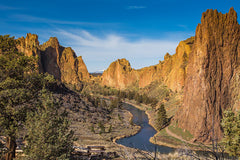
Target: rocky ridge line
x: 55, y: 59
x: 171, y: 71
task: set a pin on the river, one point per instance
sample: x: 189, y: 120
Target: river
x: 141, y: 139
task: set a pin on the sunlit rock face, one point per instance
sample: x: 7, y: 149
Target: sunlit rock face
x: 212, y: 82
x: 119, y: 75
x: 30, y: 47
x: 171, y: 71
x: 55, y: 59
x: 206, y: 67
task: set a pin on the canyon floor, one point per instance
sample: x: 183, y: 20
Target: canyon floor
x: 122, y: 126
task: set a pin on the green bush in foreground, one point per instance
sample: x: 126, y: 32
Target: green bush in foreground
x: 48, y: 136
x: 231, y: 128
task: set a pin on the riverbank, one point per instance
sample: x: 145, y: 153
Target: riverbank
x: 131, y: 134
x: 164, y: 137
x: 120, y: 127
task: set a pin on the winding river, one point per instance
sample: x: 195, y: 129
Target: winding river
x: 141, y: 139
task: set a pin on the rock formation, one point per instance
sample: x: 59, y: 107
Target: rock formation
x: 119, y: 75
x: 30, y: 46
x: 171, y: 71
x: 51, y: 53
x: 212, y: 83
x: 207, y: 66
x: 55, y: 59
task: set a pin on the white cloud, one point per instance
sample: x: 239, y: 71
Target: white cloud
x: 135, y: 7
x: 34, y: 19
x: 99, y: 52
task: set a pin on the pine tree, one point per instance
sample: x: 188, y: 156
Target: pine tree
x: 97, y: 101
x: 110, y: 129
x: 92, y: 129
x: 231, y: 128
x: 130, y: 95
x: 102, y: 127
x: 104, y: 104
x: 20, y: 83
x: 48, y: 134
x: 161, y: 117
x: 16, y: 78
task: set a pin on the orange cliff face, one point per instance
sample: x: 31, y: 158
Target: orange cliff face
x: 119, y: 75
x: 55, y: 59
x: 30, y: 47
x: 171, y: 71
x: 51, y: 52
x: 212, y: 82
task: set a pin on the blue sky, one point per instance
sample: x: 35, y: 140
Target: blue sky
x: 102, y: 31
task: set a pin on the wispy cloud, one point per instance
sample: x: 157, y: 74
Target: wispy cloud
x: 33, y: 19
x: 182, y: 26
x: 4, y: 7
x: 135, y: 7
x: 98, y: 52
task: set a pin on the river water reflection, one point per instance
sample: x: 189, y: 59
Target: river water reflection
x: 141, y: 139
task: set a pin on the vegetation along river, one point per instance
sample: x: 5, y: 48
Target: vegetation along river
x: 141, y: 139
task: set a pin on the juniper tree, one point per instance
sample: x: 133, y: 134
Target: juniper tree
x: 231, y: 128
x: 15, y: 81
x: 19, y: 86
x: 102, y: 127
x: 161, y: 117
x: 48, y: 135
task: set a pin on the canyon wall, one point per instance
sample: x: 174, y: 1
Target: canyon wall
x: 119, y: 75
x: 55, y: 59
x: 212, y: 82
x: 206, y: 67
x: 171, y: 71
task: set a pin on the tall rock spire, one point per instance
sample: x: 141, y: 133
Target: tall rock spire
x: 212, y: 67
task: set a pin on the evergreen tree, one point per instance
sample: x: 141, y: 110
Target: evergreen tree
x: 48, y: 136
x: 137, y: 98
x: 115, y: 103
x: 161, y: 117
x: 110, y: 129
x: 20, y: 83
x: 122, y: 95
x: 16, y: 90
x: 104, y: 104
x: 102, y: 127
x: 145, y: 99
x: 1, y: 150
x: 231, y: 128
x: 92, y: 129
x: 130, y: 95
